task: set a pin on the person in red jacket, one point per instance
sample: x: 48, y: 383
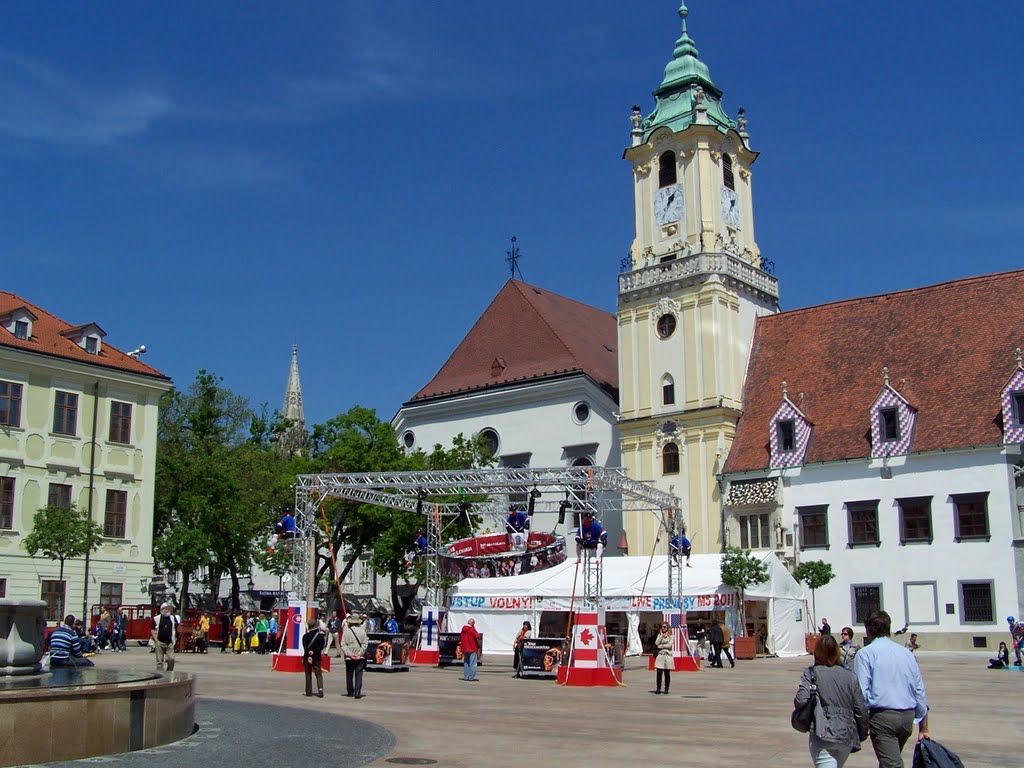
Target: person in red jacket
x: 469, y: 640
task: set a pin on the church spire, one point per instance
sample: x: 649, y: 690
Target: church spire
x: 687, y: 94
x: 293, y: 439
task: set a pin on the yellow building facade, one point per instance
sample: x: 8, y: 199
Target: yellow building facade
x: 78, y: 424
x: 688, y: 299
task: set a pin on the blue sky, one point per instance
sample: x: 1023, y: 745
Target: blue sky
x: 216, y: 180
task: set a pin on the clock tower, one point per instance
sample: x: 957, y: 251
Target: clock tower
x: 688, y: 297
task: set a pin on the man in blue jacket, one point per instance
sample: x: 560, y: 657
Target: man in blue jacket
x: 590, y: 535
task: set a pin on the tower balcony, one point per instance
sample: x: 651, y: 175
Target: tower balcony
x: 695, y: 268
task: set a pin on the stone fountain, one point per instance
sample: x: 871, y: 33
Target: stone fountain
x: 72, y: 713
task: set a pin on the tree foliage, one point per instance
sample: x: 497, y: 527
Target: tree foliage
x: 815, y: 574
x: 741, y: 570
x: 62, y: 533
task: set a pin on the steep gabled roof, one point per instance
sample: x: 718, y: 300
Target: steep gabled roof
x: 50, y: 337
x: 951, y: 345
x: 528, y: 333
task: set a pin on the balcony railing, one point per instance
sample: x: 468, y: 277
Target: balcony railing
x: 695, y: 266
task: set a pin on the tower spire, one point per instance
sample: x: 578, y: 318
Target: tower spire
x: 687, y: 94
x: 685, y: 45
x: 293, y: 439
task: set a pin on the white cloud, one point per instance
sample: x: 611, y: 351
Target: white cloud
x: 39, y: 103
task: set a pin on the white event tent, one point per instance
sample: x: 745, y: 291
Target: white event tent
x: 631, y: 585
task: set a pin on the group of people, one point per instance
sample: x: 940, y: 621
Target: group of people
x: 352, y: 643
x: 713, y: 639
x: 1002, y: 659
x: 110, y: 632
x: 252, y: 632
x: 874, y: 691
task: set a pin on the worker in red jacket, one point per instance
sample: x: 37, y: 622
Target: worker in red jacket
x: 469, y: 641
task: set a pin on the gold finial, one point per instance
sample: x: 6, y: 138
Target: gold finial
x: 885, y: 376
x: 1017, y: 356
x: 785, y: 389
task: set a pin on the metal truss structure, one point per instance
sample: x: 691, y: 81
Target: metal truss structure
x: 490, y: 493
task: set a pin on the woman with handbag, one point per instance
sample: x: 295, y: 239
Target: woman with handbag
x: 663, y: 662
x: 517, y: 646
x: 840, y: 716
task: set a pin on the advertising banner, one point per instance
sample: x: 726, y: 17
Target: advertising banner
x: 541, y: 656
x: 449, y: 649
x: 387, y: 652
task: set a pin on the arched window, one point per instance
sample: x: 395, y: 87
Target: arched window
x: 727, y: 177
x: 670, y: 459
x: 668, y: 390
x: 667, y: 169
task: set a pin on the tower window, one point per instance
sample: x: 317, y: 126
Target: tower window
x: 667, y: 169
x: 727, y: 177
x: 787, y: 435
x: 581, y: 413
x: 670, y: 459
x: 666, y: 326
x: 889, y: 422
x: 668, y: 390
x: 408, y: 439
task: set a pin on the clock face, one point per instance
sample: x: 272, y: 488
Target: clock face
x: 668, y: 205
x: 730, y: 208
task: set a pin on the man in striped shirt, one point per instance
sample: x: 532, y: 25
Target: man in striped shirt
x: 65, y: 647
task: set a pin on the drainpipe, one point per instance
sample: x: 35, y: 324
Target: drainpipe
x: 92, y: 487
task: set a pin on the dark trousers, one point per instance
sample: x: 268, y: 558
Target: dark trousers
x: 354, y: 676
x: 725, y: 650
x: 716, y: 654
x: 890, y: 730
x: 263, y: 642
x: 667, y: 673
x: 310, y: 669
x: 517, y: 657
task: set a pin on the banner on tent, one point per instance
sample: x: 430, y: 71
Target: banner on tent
x: 706, y: 602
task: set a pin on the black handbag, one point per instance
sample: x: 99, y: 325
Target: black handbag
x: 803, y: 717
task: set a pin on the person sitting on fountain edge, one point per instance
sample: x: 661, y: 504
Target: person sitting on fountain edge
x: 66, y: 648
x: 590, y: 535
x: 680, y: 544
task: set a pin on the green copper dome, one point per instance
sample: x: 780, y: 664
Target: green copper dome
x: 676, y: 99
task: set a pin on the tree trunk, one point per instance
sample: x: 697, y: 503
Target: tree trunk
x: 184, y: 591
x: 235, y: 600
x: 63, y: 597
x: 814, y: 611
x: 215, y: 589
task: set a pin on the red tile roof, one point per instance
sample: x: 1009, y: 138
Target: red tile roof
x: 527, y: 333
x: 47, y: 339
x: 949, y: 350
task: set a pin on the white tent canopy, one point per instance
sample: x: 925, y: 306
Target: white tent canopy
x: 500, y: 605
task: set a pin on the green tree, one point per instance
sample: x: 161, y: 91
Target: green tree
x: 62, y: 533
x: 742, y: 570
x: 220, y: 483
x: 815, y: 574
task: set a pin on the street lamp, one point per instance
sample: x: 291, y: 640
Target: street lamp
x: 251, y: 585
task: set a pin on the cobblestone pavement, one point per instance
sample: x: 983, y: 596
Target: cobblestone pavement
x: 250, y: 716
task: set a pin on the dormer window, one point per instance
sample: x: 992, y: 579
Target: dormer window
x: 787, y: 435
x: 1018, y: 409
x: 728, y: 180
x: 667, y: 169
x: 89, y: 337
x: 889, y: 423
x: 19, y: 323
x: 892, y: 422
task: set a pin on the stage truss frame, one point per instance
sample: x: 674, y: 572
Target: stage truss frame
x: 575, y: 489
